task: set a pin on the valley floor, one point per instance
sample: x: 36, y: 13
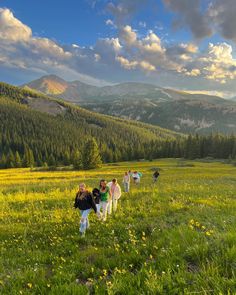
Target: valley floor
x: 175, y: 237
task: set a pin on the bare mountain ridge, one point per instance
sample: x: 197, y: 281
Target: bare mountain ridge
x: 173, y: 109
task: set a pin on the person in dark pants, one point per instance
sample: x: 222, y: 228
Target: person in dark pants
x: 84, y: 202
x: 155, y: 176
x: 97, y: 199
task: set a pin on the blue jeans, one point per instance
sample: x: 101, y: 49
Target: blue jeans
x: 126, y: 187
x: 84, y: 222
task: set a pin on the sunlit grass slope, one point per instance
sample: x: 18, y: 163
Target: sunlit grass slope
x: 177, y: 237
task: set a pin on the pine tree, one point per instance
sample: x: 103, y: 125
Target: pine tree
x: 77, y: 160
x: 28, y: 159
x: 31, y: 157
x: 11, y: 160
x: 91, y: 156
x: 3, y: 161
x: 234, y: 150
x: 67, y: 158
x: 51, y: 161
x: 17, y: 163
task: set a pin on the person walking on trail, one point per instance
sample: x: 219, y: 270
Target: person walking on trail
x: 115, y: 195
x: 126, y: 182
x: 105, y: 198
x: 97, y: 200
x: 136, y: 177
x: 85, y: 203
x: 140, y: 174
x: 155, y: 176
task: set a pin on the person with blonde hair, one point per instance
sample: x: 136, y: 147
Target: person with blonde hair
x: 85, y: 203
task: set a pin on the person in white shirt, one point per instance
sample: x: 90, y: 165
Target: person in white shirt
x: 136, y: 177
x: 126, y: 182
x: 115, y: 193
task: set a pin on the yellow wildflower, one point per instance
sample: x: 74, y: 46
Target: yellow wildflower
x: 104, y: 272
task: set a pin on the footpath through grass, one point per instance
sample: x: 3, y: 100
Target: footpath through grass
x: 175, y: 237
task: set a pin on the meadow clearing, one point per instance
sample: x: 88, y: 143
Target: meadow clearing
x: 175, y: 237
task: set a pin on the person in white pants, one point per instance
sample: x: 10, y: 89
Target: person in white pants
x: 115, y: 195
x: 105, y: 194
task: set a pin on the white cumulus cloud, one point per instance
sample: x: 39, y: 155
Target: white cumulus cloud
x: 11, y: 28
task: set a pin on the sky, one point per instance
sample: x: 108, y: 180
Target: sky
x: 183, y: 44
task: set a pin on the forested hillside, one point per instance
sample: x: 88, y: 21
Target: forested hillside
x: 37, y: 130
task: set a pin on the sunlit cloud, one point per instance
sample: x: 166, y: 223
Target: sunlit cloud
x: 126, y: 55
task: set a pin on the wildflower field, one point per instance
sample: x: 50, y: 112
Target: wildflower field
x: 177, y: 236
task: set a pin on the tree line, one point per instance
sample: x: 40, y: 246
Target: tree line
x: 91, y: 155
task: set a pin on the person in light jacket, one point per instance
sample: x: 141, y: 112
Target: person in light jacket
x: 126, y: 182
x: 115, y: 195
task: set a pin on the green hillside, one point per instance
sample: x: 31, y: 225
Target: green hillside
x: 53, y: 131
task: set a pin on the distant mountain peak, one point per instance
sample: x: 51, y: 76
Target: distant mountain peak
x: 52, y: 77
x: 49, y: 84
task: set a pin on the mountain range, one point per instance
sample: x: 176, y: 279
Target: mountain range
x: 171, y: 109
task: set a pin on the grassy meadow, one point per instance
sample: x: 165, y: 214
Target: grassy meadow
x: 175, y: 237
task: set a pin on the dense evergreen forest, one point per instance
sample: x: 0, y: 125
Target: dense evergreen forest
x: 31, y: 136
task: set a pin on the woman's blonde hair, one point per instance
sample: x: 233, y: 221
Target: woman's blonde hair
x: 82, y: 185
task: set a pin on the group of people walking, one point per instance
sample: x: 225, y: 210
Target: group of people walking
x: 135, y: 176
x: 104, y: 198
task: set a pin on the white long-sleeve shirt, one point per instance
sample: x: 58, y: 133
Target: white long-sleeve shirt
x: 126, y: 179
x: 117, y: 190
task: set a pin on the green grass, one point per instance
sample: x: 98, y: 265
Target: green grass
x: 175, y: 237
